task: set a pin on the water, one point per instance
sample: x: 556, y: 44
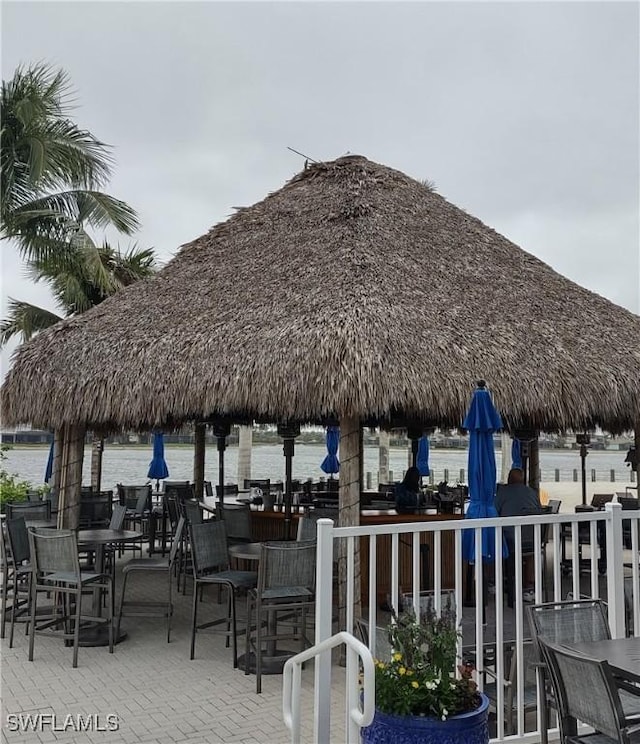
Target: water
x: 129, y: 464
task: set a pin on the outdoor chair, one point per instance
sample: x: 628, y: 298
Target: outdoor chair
x: 18, y: 575
x: 230, y: 490
x: 554, y: 506
x: 307, y: 529
x: 510, y: 685
x: 95, y: 509
x: 570, y: 621
x: 383, y: 649
x: 29, y: 510
x: 56, y: 568
x: 586, y: 691
x: 285, y: 593
x: 237, y: 519
x: 192, y: 512
x: 628, y: 503
x: 153, y: 565
x: 137, y: 502
x: 210, y: 556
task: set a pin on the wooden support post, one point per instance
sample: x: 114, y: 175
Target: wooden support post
x: 97, y: 448
x: 534, y: 463
x: 245, y: 441
x: 71, y: 477
x: 349, y: 511
x: 383, y: 456
x: 198, y: 459
x: 57, y: 461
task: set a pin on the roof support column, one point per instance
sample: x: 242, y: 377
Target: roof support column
x: 71, y: 477
x: 97, y: 448
x: 198, y: 459
x: 349, y: 515
x: 534, y: 462
x: 383, y: 456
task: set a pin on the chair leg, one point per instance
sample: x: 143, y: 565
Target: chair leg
x: 193, y: 619
x: 111, y: 601
x: 234, y: 639
x: 169, y: 608
x: 125, y: 576
x: 76, y: 629
x: 247, y: 639
x: 34, y: 595
x: 5, y: 597
x: 258, y: 648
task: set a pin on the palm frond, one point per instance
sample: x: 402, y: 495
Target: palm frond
x: 25, y: 320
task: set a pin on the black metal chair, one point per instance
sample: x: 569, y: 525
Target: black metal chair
x: 96, y: 508
x: 210, y: 554
x: 237, y: 519
x: 56, y: 568
x: 153, y: 565
x: 285, y: 593
x: 19, y: 571
x: 586, y: 691
x: 29, y: 510
x: 569, y: 621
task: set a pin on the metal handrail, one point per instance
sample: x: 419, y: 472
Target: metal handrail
x: 356, y: 717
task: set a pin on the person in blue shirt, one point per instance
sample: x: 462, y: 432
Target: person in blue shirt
x: 407, y: 493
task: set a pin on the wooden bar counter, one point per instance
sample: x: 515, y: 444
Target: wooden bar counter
x: 269, y: 525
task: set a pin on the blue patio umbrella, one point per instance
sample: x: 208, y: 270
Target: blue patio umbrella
x: 48, y: 471
x: 158, y: 467
x: 516, y: 456
x: 331, y: 464
x: 422, y: 458
x: 482, y: 421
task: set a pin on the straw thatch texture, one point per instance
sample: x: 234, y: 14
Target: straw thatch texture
x: 352, y: 291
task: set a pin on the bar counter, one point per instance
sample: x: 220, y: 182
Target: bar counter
x: 269, y: 525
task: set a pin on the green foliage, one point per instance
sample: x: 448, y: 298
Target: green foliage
x: 52, y: 170
x: 419, y: 679
x: 11, y: 487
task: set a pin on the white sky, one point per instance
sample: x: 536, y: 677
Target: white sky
x: 525, y: 114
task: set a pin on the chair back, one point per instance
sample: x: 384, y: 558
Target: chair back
x: 53, y: 551
x: 134, y: 497
x: 171, y: 505
x: 117, y: 517
x: 177, y: 539
x: 29, y: 510
x: 181, y: 490
x: 554, y: 505
x: 237, y: 518
x: 600, y: 499
x: 209, y: 547
x: 286, y: 564
x: 208, y: 489
x: 18, y: 539
x: 586, y: 690
x: 264, y: 484
x: 383, y: 645
x: 96, y: 508
x: 629, y: 503
x: 192, y: 512
x: 229, y: 490
x: 571, y: 621
x: 307, y: 529
x: 53, y: 496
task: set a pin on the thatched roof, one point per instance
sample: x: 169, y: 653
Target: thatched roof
x: 353, y: 290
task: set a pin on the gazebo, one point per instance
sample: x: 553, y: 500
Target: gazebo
x: 353, y: 295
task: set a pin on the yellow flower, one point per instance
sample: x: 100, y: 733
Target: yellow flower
x: 409, y: 672
x: 415, y: 685
x: 397, y: 656
x: 402, y: 671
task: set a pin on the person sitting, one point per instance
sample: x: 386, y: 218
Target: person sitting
x: 516, y: 499
x: 407, y: 493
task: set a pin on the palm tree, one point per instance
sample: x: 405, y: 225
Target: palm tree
x: 52, y: 171
x: 83, y: 277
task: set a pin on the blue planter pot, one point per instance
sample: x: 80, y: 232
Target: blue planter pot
x: 470, y: 728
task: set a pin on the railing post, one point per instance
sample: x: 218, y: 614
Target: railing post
x: 615, y: 572
x: 324, y: 612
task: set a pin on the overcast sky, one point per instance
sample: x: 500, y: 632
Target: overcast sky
x: 524, y: 114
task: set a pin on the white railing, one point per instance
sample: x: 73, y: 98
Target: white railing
x: 357, y: 717
x: 563, y: 532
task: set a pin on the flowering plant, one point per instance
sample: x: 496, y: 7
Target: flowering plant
x: 419, y: 678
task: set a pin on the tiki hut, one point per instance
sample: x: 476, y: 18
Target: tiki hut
x: 354, y: 293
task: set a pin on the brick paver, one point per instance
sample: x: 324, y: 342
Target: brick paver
x: 156, y: 694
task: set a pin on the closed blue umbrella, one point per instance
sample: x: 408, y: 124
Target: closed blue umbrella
x: 331, y: 464
x: 482, y: 421
x: 48, y: 471
x: 158, y: 467
x: 422, y: 458
x: 516, y: 456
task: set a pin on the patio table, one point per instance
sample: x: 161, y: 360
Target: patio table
x: 96, y: 539
x: 622, y: 654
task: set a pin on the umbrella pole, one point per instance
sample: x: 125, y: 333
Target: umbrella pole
x: 288, y: 468
x: 222, y: 443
